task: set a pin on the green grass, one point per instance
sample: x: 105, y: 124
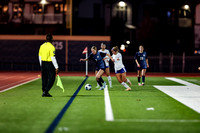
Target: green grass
x: 24, y: 110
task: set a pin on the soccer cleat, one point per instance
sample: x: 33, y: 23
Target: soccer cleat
x: 97, y: 86
x: 110, y: 86
x: 104, y: 85
x: 101, y: 88
x: 140, y: 84
x: 128, y: 89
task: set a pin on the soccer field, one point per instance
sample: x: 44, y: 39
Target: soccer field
x: 144, y: 109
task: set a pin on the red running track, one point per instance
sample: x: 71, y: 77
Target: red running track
x: 9, y: 80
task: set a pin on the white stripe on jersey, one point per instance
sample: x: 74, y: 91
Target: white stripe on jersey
x: 118, y: 61
x: 107, y: 52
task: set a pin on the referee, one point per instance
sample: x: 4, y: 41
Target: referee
x: 49, y: 66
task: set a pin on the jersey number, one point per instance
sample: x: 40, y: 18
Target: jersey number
x: 141, y: 58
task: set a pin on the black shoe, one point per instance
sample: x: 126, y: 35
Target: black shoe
x: 46, y: 94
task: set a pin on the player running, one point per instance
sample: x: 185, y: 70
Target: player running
x: 106, y: 60
x: 98, y: 57
x: 142, y: 64
x: 120, y: 70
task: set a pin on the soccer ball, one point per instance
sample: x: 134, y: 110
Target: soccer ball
x: 88, y: 87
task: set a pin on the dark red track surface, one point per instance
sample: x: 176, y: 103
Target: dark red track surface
x: 10, y: 79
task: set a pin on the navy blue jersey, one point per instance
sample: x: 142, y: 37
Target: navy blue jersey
x: 98, y: 59
x: 141, y: 58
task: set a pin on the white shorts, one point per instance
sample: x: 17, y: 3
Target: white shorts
x: 106, y: 63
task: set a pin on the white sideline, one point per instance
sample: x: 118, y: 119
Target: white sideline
x: 18, y: 85
x: 157, y: 120
x: 188, y: 95
x: 108, y: 108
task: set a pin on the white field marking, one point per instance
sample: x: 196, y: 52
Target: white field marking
x: 188, y: 95
x: 108, y: 108
x: 18, y: 85
x: 181, y: 81
x: 158, y: 120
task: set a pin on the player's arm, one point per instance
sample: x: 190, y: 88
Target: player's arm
x: 39, y: 57
x: 110, y: 57
x: 147, y: 61
x: 83, y: 59
x: 53, y: 58
x: 89, y: 58
x: 136, y: 61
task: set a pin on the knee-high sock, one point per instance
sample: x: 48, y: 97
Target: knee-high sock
x: 128, y: 81
x: 138, y: 79
x: 125, y: 85
x: 109, y: 80
x: 101, y: 80
x: 143, y: 79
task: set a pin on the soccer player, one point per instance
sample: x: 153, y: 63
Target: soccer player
x: 106, y: 60
x: 120, y: 70
x: 98, y: 57
x: 142, y: 64
x: 49, y: 66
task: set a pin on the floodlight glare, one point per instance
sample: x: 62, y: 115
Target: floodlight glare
x: 43, y: 2
x: 122, y: 47
x: 186, y: 7
x: 128, y: 42
x: 122, y: 4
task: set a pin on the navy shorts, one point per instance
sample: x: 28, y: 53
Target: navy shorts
x: 123, y: 70
x: 141, y: 67
x: 97, y: 69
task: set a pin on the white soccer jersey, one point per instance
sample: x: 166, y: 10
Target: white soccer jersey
x: 107, y: 58
x: 118, y: 61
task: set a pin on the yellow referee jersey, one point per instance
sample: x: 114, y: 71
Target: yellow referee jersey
x: 47, y: 50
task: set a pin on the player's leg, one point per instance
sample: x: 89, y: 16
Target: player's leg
x: 108, y: 76
x: 51, y: 78
x: 97, y: 82
x: 143, y: 76
x: 119, y: 78
x: 139, y: 76
x: 44, y: 77
x: 99, y: 79
x: 124, y: 80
